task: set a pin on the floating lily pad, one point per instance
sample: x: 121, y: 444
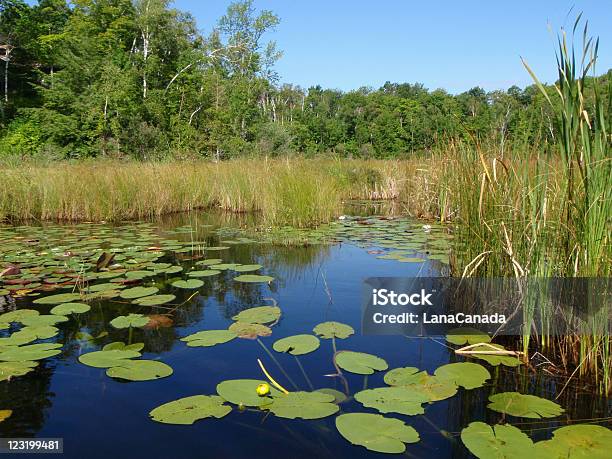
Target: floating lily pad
x: 131, y: 320
x: 154, y: 300
x: 376, y: 432
x: 401, y: 400
x: 210, y: 261
x: 496, y: 359
x: 10, y: 370
x: 329, y: 330
x: 190, y: 284
x: 247, y: 268
x: 259, y: 315
x: 500, y: 441
x: 244, y: 392
x: 580, y: 441
x: 30, y: 352
x: 208, y: 338
x: 253, y: 278
x: 18, y: 315
x: 466, y: 374
x: 339, y: 397
x: 139, y: 370
x: 204, y: 273
x: 34, y: 332
x: 524, y: 406
x: 138, y: 292
x: 58, y: 299
x: 467, y: 335
x: 360, y: 362
x: 42, y: 320
x: 249, y: 331
x: 405, y: 376
x: 70, y: 308
x: 186, y: 411
x: 433, y: 387
x: 297, y: 344
x: 108, y: 358
x: 304, y: 405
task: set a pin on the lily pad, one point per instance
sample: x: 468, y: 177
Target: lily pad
x: 34, y: 332
x: 433, y: 387
x: 43, y: 320
x: 30, y: 352
x: 58, y: 299
x: 253, y: 278
x: 467, y: 335
x: 139, y: 370
x: 138, y: 292
x: 190, y: 284
x: 121, y: 346
x: 297, y: 344
x: 259, y: 315
x: 247, y: 268
x: 249, y: 331
x: 376, y: 432
x: 580, y: 441
x: 360, y: 362
x: 500, y: 441
x: 70, y: 308
x: 186, y: 411
x: 466, y: 374
x: 496, y: 359
x: 404, y: 376
x: 524, y: 406
x: 329, y: 330
x: 208, y: 338
x: 304, y: 405
x: 107, y: 359
x: 131, y: 320
x: 244, y: 392
x: 339, y: 397
x: 10, y: 370
x: 154, y: 300
x: 393, y: 400
x: 18, y: 315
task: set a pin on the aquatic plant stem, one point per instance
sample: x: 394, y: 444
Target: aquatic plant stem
x: 303, y: 372
x: 280, y: 367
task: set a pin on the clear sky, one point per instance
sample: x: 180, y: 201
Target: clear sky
x: 450, y: 44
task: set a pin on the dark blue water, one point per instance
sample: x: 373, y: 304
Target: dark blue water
x: 100, y: 417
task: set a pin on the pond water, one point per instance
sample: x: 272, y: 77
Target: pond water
x: 100, y: 416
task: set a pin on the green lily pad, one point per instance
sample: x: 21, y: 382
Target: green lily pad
x: 360, y: 362
x: 404, y: 376
x: 249, y: 331
x: 209, y: 262
x: 190, y: 284
x: 121, y: 346
x: 433, y: 387
x: 208, y: 338
x: 42, y: 320
x: 34, y: 332
x: 253, y: 278
x: 339, y: 397
x: 154, y: 300
x: 107, y: 359
x: 30, y: 352
x: 393, y: 400
x: 10, y: 370
x: 524, y: 406
x: 186, y: 411
x: 376, y: 432
x: 500, y: 441
x: 18, y: 315
x: 70, y: 308
x: 466, y: 374
x: 244, y: 392
x: 131, y: 320
x: 138, y: 292
x: 259, y: 315
x: 467, y: 335
x: 204, y: 273
x: 580, y: 441
x: 139, y: 370
x: 247, y: 268
x: 297, y: 344
x: 329, y: 330
x: 58, y: 299
x: 496, y: 359
x: 304, y: 405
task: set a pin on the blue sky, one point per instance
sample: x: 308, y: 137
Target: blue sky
x: 450, y: 44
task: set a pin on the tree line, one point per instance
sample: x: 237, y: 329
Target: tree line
x: 137, y: 78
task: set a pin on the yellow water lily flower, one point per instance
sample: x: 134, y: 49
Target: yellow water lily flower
x: 263, y: 389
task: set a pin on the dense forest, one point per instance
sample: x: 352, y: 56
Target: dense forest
x: 136, y: 78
